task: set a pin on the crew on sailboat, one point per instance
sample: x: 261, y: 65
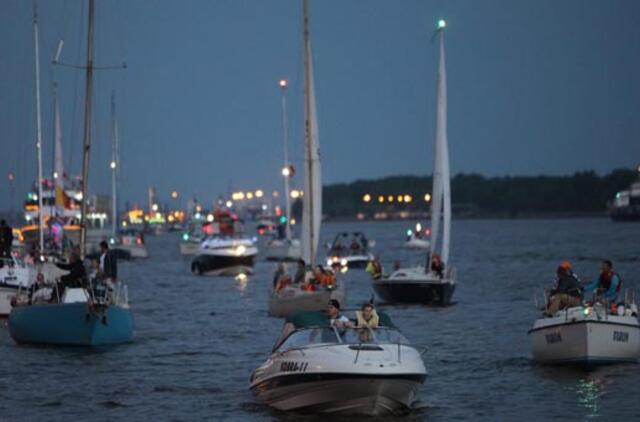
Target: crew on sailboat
x: 567, y: 292
x: 77, y: 273
x: 6, y: 239
x: 608, y: 284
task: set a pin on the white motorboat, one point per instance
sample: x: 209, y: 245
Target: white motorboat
x: 190, y: 243
x: 417, y: 239
x: 308, y: 293
x: 588, y: 335
x: 350, y: 250
x: 315, y: 367
x: 435, y: 282
x: 132, y: 242
x: 283, y: 250
x: 14, y: 275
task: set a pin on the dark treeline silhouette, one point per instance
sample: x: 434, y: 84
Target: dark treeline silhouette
x: 580, y: 193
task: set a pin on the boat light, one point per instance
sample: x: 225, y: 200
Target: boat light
x: 442, y: 24
x: 286, y: 171
x: 240, y: 250
x: 185, y: 236
x: 344, y: 269
x: 418, y: 227
x: 210, y: 218
x: 283, y: 83
x: 586, y: 311
x: 343, y: 262
x: 409, y: 232
x: 112, y: 165
x: 229, y: 204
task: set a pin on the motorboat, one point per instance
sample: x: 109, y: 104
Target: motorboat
x: 76, y: 320
x: 591, y: 334
x: 417, y: 239
x: 315, y: 367
x: 313, y: 284
x: 282, y: 249
x: 14, y: 275
x: 192, y: 237
x: 225, y: 252
x: 132, y: 241
x: 435, y: 281
x: 626, y: 204
x: 350, y: 250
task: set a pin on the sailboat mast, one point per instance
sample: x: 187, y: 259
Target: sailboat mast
x: 114, y: 166
x: 285, y: 169
x: 38, y: 127
x: 308, y: 131
x: 87, y: 132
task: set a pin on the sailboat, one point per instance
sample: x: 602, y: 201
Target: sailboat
x: 79, y: 317
x: 284, y: 248
x: 435, y: 282
x: 302, y: 293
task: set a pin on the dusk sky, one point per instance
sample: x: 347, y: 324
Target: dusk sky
x: 535, y: 87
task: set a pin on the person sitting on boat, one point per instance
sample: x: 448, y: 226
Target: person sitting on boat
x: 40, y: 292
x: 607, y: 285
x: 374, y: 268
x: 355, y: 245
x: 283, y: 281
x: 281, y: 271
x: 437, y: 266
x: 300, y: 272
x: 335, y: 318
x: 567, y: 292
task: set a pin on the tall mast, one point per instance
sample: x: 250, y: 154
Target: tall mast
x: 114, y: 166
x: 38, y: 126
x: 308, y: 130
x: 286, y: 170
x: 87, y: 132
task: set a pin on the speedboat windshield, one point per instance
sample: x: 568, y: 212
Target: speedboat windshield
x: 332, y: 335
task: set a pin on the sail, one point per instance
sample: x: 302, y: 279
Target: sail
x: 62, y: 200
x: 312, y: 194
x: 441, y: 195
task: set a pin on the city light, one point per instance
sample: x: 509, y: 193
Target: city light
x: 154, y: 207
x: 283, y: 83
x: 427, y: 197
x: 295, y: 194
x: 112, y: 165
x: 390, y: 198
x: 366, y: 198
x: 259, y: 194
x: 210, y: 218
x: 381, y: 199
x: 400, y: 198
x: 275, y: 194
x: 408, y: 198
x: 229, y: 204
x: 249, y: 195
x: 286, y: 171
x: 174, y: 194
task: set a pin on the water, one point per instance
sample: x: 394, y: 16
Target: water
x: 197, y: 339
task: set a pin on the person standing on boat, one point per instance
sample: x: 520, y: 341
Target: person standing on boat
x: 607, y: 285
x: 108, y: 264
x: 77, y: 273
x: 6, y: 239
x: 567, y: 292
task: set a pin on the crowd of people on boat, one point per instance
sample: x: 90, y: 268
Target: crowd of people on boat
x: 569, y: 291
x: 374, y: 267
x: 304, y: 277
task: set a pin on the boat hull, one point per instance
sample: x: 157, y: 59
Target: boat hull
x: 293, y: 300
x: 340, y: 393
x: 587, y: 342
x: 69, y: 324
x: 222, y: 265
x: 422, y: 292
x: 6, y: 294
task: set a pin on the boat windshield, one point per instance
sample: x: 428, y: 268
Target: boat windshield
x: 331, y: 335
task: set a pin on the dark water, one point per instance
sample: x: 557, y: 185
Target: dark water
x: 198, y: 339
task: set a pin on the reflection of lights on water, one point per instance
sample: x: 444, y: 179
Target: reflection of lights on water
x: 344, y: 269
x: 242, y: 280
x: 589, y: 392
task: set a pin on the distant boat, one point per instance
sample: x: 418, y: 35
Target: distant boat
x: 79, y: 316
x: 417, y: 239
x: 626, y: 204
x: 294, y: 298
x: 14, y: 276
x: 350, y: 250
x: 425, y: 284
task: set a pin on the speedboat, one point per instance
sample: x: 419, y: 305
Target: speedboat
x: 225, y: 256
x: 417, y: 239
x: 300, y: 297
x: 626, y: 204
x: 415, y: 285
x: 14, y: 275
x: 132, y: 241
x: 278, y: 249
x: 588, y: 335
x: 76, y: 320
x: 349, y: 250
x: 190, y: 243
x: 315, y: 367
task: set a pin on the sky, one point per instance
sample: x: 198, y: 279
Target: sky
x: 534, y: 87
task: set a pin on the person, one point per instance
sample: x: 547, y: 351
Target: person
x: 280, y: 272
x: 300, y: 272
x: 6, y: 239
x: 437, y: 266
x: 367, y: 318
x: 334, y: 316
x: 608, y: 284
x: 567, y: 292
x: 108, y: 264
x: 374, y: 268
x: 40, y: 292
x: 355, y: 245
x: 77, y: 273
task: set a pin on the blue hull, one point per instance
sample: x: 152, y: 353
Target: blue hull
x: 67, y: 324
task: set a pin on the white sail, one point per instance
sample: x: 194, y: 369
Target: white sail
x: 312, y: 197
x: 441, y: 196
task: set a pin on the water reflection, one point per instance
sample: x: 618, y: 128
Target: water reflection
x: 242, y: 280
x: 589, y: 390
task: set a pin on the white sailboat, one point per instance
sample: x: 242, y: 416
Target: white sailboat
x: 287, y: 248
x: 431, y: 283
x: 294, y: 298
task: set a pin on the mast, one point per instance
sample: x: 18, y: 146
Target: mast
x: 308, y: 133
x: 286, y: 170
x: 114, y: 166
x: 87, y: 131
x: 38, y: 127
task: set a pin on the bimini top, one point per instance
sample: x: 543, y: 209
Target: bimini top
x: 319, y: 319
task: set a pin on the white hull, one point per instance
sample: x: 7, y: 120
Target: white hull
x: 290, y: 300
x: 281, y: 250
x: 6, y: 293
x: 575, y: 338
x: 136, y: 251
x: 416, y: 244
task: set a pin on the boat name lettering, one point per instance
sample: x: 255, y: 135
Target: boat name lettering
x: 553, y: 338
x: 294, y: 366
x: 622, y: 336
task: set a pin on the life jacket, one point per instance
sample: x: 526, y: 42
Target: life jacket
x: 372, y: 322
x: 606, y: 278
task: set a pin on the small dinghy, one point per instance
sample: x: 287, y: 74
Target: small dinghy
x: 590, y: 334
x: 317, y: 366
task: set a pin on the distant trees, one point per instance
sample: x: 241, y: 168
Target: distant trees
x: 582, y: 192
